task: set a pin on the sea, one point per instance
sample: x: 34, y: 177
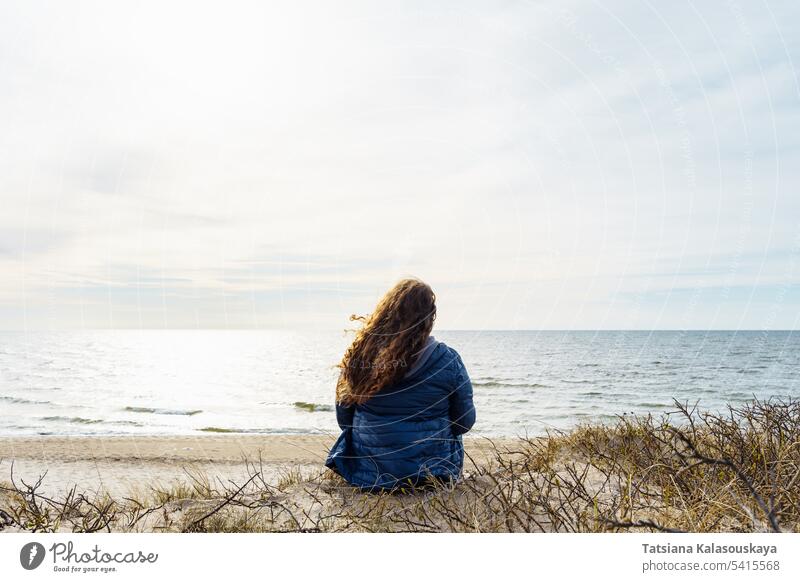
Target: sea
x: 170, y: 382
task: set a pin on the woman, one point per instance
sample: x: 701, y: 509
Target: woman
x: 403, y: 399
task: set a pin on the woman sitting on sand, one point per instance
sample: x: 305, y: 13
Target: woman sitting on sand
x: 403, y: 399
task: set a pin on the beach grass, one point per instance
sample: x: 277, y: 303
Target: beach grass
x: 686, y: 470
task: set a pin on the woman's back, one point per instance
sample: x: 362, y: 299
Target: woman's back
x: 409, y: 431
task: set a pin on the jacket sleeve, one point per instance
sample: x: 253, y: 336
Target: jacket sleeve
x: 344, y: 415
x: 462, y: 409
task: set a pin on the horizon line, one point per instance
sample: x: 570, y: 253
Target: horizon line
x: 327, y: 329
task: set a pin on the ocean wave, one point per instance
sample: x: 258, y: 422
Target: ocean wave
x: 228, y: 430
x: 313, y: 407
x: 73, y: 419
x: 16, y: 400
x: 82, y: 420
x: 168, y: 411
x: 498, y: 384
x: 218, y: 429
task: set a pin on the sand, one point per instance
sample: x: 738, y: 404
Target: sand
x: 121, y: 464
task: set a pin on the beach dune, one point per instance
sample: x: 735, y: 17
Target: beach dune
x: 724, y: 472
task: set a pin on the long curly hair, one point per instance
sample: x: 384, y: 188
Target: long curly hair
x: 391, y: 336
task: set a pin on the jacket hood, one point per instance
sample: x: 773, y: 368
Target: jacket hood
x: 427, y: 356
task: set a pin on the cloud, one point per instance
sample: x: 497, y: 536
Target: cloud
x: 539, y: 163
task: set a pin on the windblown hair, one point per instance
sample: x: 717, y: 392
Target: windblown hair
x: 391, y: 336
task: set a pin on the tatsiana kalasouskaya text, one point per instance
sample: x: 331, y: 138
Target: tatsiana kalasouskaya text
x: 709, y: 549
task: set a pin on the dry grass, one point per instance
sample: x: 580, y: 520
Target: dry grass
x: 685, y: 471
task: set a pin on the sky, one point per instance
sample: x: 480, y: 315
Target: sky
x: 543, y: 165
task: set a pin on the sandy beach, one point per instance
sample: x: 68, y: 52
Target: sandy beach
x: 120, y: 464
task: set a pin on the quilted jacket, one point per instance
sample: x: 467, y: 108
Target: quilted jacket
x: 411, y: 431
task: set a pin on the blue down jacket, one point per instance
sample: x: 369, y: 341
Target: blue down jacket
x: 408, y: 431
